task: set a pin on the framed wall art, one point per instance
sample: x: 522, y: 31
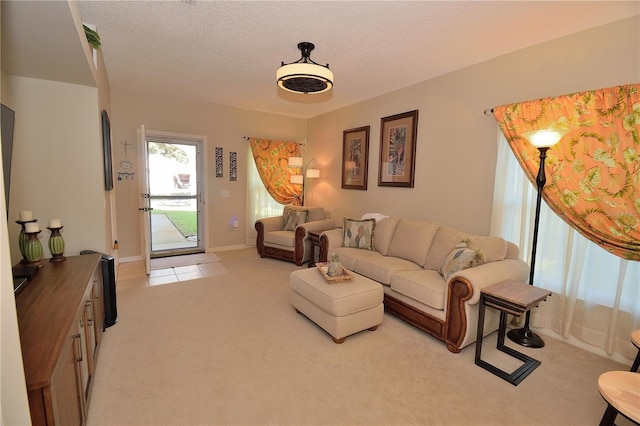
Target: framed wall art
x: 398, y: 135
x: 355, y: 158
x: 233, y: 166
x: 219, y: 163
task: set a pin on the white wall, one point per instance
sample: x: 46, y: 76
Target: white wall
x: 56, y: 172
x: 57, y: 162
x: 456, y: 148
x: 223, y: 127
x: 13, y: 390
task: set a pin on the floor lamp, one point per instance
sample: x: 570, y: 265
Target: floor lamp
x: 306, y: 171
x: 543, y: 140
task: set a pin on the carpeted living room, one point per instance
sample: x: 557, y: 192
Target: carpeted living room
x: 230, y: 349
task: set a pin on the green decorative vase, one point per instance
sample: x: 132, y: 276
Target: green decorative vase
x: 33, y: 249
x: 22, y: 240
x: 56, y: 245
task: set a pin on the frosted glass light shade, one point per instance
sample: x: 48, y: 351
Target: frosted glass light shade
x: 313, y: 173
x: 295, y: 161
x: 297, y: 179
x: 305, y: 78
x: 544, y: 138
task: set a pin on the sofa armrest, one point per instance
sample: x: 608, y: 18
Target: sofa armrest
x: 302, y: 245
x: 464, y: 290
x: 487, y: 274
x: 274, y: 223
x: 264, y: 225
x: 328, y: 241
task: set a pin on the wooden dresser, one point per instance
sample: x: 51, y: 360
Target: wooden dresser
x: 61, y: 320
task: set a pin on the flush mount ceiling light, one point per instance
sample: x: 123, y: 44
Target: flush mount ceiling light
x: 304, y: 75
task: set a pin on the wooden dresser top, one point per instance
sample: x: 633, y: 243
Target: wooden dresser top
x: 47, y: 308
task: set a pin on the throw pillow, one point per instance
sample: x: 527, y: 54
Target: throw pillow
x: 461, y: 257
x: 494, y: 248
x: 358, y: 233
x: 294, y: 218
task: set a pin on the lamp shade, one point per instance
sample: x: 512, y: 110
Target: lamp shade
x: 305, y: 78
x: 295, y: 161
x: 313, y: 173
x: 544, y: 138
x: 298, y: 179
x: 305, y: 75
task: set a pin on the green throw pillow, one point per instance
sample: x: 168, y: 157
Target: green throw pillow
x: 358, y: 233
x: 461, y: 257
x: 294, y: 218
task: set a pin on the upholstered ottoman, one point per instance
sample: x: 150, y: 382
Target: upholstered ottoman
x: 341, y: 309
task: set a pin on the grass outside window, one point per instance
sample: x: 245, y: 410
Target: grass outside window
x: 185, y: 221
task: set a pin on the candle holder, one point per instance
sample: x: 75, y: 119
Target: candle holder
x: 33, y: 249
x: 22, y: 239
x: 56, y: 245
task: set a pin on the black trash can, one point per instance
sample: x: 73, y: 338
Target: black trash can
x: 109, y: 287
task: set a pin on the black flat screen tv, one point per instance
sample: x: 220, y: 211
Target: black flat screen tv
x: 7, y: 118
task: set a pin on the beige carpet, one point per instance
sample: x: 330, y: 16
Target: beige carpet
x: 184, y: 260
x: 231, y: 350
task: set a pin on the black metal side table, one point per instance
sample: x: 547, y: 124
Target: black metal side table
x: 515, y: 298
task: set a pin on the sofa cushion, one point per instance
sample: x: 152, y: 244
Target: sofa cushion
x: 358, y: 233
x: 423, y: 285
x: 316, y: 213
x: 381, y: 268
x: 385, y: 229
x: 313, y: 213
x: 461, y: 257
x: 412, y: 240
x: 280, y: 238
x: 494, y: 248
x: 446, y: 239
x: 294, y: 218
x: 348, y: 255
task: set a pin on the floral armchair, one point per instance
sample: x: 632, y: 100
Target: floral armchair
x: 286, y: 237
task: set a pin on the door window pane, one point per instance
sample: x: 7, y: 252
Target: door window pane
x: 174, y: 224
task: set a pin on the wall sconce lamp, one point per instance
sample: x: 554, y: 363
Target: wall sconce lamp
x: 543, y: 140
x: 307, y: 173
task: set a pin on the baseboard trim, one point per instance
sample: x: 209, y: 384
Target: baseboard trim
x: 130, y: 259
x: 227, y: 248
x: 209, y: 250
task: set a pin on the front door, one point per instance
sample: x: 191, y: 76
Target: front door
x: 174, y: 171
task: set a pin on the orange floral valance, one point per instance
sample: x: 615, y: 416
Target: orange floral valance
x: 272, y: 162
x: 594, y: 171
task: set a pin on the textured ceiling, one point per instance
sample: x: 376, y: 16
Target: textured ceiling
x: 227, y: 52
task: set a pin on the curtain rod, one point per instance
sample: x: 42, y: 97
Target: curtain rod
x: 488, y: 111
x: 304, y: 142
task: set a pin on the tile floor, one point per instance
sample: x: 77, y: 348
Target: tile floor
x: 132, y: 274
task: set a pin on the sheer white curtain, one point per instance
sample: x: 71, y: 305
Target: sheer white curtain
x: 596, y: 295
x: 259, y: 203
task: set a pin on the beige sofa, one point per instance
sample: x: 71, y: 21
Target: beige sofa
x: 286, y: 237
x: 409, y: 259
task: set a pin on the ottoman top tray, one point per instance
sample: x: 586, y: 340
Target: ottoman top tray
x: 324, y: 266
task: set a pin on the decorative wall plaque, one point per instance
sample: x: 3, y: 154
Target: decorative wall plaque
x: 219, y: 162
